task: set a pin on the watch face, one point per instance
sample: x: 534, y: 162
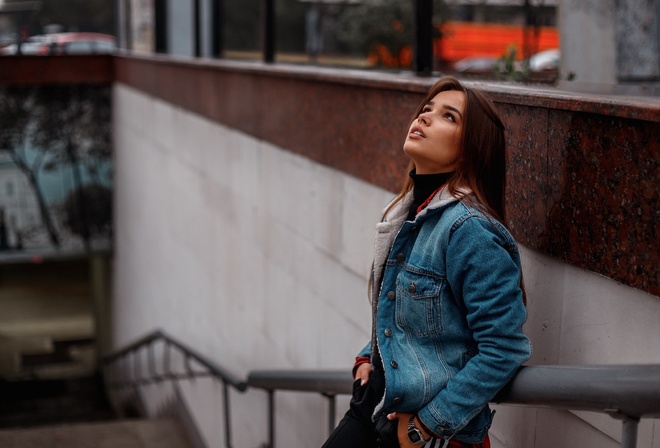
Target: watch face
x: 414, y: 436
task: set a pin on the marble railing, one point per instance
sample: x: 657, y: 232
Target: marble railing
x: 583, y: 172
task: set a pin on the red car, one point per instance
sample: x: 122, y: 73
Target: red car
x: 64, y: 43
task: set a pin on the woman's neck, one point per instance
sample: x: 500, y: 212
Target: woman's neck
x: 424, y: 185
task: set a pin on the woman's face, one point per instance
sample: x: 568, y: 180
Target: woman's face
x: 434, y: 138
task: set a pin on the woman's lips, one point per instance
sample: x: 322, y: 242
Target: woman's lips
x: 416, y: 132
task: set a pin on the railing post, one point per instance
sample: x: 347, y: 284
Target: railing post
x: 136, y: 365
x: 217, y: 42
x: 629, y: 433
x: 332, y: 410
x: 268, y: 29
x: 128, y: 25
x: 152, y: 361
x: 271, y: 419
x: 423, y: 41
x: 160, y: 26
x: 118, y: 20
x: 166, y: 359
x: 197, y: 25
x: 186, y: 365
x: 225, y: 390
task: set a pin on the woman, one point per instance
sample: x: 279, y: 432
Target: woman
x: 446, y: 289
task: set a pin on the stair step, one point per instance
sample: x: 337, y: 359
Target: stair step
x: 53, y: 402
x: 139, y: 433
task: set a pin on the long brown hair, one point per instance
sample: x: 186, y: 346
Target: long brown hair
x: 482, y: 166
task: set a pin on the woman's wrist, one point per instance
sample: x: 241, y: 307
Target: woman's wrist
x: 422, y: 427
x: 358, y: 362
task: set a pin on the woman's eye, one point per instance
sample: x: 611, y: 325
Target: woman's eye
x: 450, y: 117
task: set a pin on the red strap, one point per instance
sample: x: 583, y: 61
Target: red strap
x: 425, y: 203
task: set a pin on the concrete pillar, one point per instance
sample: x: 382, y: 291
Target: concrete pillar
x: 588, y: 44
x: 610, y: 46
x: 638, y: 57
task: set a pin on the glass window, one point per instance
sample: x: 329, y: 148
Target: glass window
x: 376, y: 34
x: 103, y: 47
x: 241, y: 29
x: 78, y: 47
x: 141, y: 28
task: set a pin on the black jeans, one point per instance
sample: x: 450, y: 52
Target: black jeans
x: 356, y: 429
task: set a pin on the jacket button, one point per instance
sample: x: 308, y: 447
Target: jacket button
x: 394, y: 364
x: 391, y: 295
x: 412, y: 287
x: 400, y: 257
x: 396, y: 400
x: 388, y: 332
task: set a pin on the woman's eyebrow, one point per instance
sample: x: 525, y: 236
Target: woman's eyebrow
x: 453, y: 109
x: 447, y: 106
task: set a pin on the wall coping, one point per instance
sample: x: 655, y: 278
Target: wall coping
x: 99, y: 69
x: 645, y: 108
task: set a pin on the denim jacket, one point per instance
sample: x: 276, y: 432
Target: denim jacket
x: 448, y: 316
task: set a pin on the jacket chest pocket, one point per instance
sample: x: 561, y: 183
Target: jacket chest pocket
x: 418, y: 307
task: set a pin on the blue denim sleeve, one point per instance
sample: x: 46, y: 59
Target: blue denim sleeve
x: 483, y: 271
x: 366, y: 351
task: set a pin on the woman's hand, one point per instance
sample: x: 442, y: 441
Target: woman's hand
x: 402, y: 429
x: 363, y: 372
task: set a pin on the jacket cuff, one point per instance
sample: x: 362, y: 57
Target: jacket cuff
x: 358, y: 362
x: 426, y: 428
x: 437, y: 431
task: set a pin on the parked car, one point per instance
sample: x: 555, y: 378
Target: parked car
x: 27, y: 48
x: 476, y: 65
x: 546, y: 60
x: 482, y: 65
x: 64, y: 43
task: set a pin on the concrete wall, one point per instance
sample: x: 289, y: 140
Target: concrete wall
x: 259, y: 257
x: 254, y: 255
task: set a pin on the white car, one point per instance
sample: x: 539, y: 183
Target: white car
x: 545, y: 60
x: 26, y: 48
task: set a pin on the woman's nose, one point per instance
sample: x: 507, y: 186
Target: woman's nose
x: 423, y: 119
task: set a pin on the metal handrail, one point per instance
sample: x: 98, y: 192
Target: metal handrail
x: 213, y: 368
x: 329, y: 383
x: 625, y: 392
x: 133, y: 352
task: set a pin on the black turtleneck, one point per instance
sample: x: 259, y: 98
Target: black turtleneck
x: 424, y: 186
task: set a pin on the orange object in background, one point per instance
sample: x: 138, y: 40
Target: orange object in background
x: 466, y: 39
x: 462, y: 40
x: 381, y: 55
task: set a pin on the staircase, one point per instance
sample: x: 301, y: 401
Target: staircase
x: 49, y: 402
x: 164, y: 433
x: 74, y: 413
x: 51, y: 394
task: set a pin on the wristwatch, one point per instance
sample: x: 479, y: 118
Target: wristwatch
x: 415, y: 435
